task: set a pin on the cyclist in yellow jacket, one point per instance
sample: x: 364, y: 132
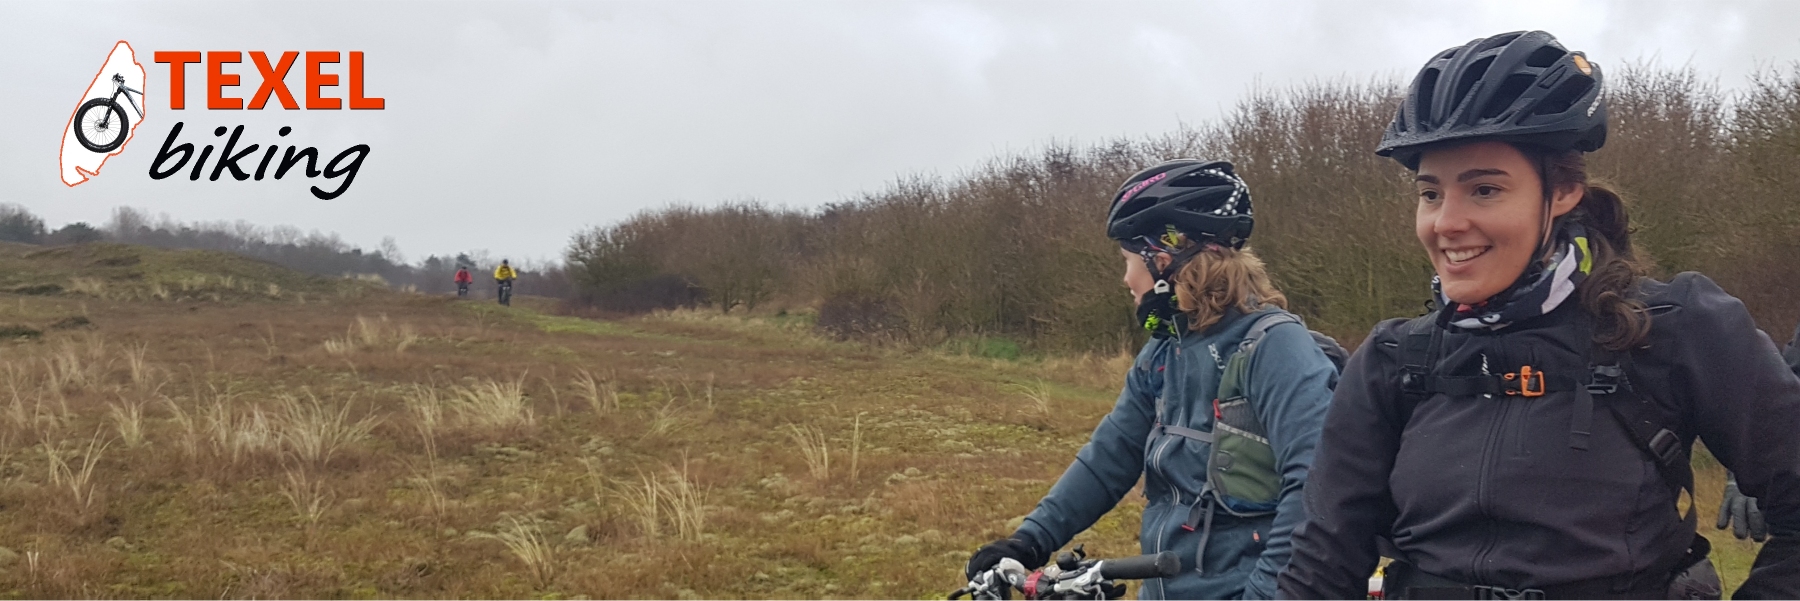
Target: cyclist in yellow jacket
x: 503, y: 277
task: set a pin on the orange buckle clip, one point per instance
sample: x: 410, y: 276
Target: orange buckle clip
x: 1525, y: 377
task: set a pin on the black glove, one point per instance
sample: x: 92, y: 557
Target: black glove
x: 1741, y: 514
x: 989, y: 555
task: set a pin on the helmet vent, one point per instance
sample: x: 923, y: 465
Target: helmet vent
x: 1564, y: 96
x: 1426, y: 88
x: 1545, y: 56
x: 1509, y: 92
x: 1470, y: 76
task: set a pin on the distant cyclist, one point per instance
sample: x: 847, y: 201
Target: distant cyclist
x: 463, y: 279
x: 504, y: 276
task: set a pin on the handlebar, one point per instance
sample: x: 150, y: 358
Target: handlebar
x: 1160, y: 565
x: 1073, y: 576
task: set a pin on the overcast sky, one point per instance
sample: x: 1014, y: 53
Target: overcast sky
x: 509, y: 125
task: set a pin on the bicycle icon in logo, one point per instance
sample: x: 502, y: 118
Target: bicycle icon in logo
x: 100, y: 123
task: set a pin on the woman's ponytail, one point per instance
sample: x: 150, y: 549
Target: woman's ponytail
x: 1607, y: 293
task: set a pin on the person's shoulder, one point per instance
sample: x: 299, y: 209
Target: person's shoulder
x: 1689, y: 296
x: 1390, y: 332
x: 1148, y: 354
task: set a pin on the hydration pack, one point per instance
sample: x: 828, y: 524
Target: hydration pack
x: 1242, y: 477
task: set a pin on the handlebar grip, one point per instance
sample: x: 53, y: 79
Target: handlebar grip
x: 1160, y: 565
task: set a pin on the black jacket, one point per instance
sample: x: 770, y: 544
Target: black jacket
x: 1490, y: 491
x: 1792, y: 352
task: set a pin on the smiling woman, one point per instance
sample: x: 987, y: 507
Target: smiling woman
x: 1580, y: 372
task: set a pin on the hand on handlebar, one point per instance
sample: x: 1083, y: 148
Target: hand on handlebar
x: 989, y: 555
x: 1073, y: 577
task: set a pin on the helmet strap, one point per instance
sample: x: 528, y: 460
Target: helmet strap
x: 1159, y: 312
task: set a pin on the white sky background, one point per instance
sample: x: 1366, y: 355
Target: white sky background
x: 510, y: 125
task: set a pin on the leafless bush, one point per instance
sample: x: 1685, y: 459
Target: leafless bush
x: 1015, y: 247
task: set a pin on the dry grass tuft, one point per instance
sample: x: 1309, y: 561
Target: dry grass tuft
x: 813, y: 446
x: 486, y: 406
x: 90, y: 286
x: 1039, y: 395
x: 601, y: 395
x: 526, y: 541
x: 80, y: 483
x: 127, y: 416
x: 371, y: 334
x: 312, y: 432
x: 669, y: 503
x: 493, y: 405
x: 308, y: 496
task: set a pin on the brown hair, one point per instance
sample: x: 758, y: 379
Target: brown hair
x: 1606, y: 294
x: 1219, y: 278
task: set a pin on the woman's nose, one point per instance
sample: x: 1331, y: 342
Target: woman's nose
x: 1452, y: 218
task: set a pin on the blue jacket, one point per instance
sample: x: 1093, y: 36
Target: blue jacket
x: 1290, y: 387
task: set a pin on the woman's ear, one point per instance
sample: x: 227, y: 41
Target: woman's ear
x: 1567, y: 198
x: 1162, y: 261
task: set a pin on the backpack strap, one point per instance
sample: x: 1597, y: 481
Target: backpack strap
x: 1418, y: 357
x: 1650, y: 425
x: 1652, y: 428
x: 1261, y: 326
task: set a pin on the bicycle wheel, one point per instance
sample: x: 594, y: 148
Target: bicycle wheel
x: 100, y: 125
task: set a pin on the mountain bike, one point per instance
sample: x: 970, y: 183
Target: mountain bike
x: 1073, y: 576
x: 506, y: 292
x: 100, y: 123
x: 462, y: 290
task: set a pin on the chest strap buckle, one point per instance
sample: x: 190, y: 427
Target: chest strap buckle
x: 1497, y: 592
x: 1526, y: 377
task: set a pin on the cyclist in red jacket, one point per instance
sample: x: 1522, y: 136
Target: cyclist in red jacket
x: 463, y: 279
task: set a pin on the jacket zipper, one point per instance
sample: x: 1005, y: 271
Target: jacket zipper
x: 1490, y: 455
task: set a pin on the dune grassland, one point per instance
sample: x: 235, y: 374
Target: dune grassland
x: 194, y: 424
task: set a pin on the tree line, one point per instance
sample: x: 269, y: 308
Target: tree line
x: 1015, y: 249
x: 308, y: 252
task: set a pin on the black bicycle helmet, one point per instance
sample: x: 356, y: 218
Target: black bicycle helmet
x: 1202, y: 200
x: 1516, y: 87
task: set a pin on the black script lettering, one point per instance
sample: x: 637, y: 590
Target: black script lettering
x: 186, y: 150
x: 264, y: 166
x: 173, y: 157
x: 292, y: 158
x: 229, y: 160
x: 349, y: 172
x: 200, y: 164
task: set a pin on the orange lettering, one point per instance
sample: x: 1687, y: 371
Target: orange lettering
x: 273, y: 80
x: 217, y: 80
x: 178, y: 62
x: 357, y: 101
x: 316, y: 80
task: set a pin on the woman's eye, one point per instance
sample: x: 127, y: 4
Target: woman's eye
x: 1486, y: 190
x: 1428, y: 196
